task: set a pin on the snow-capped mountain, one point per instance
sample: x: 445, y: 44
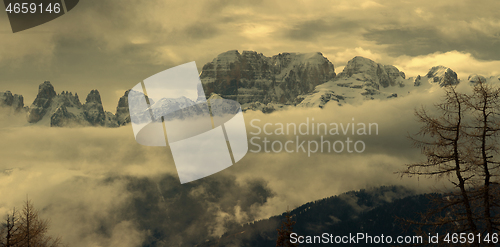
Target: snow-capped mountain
x: 362, y: 79
x: 14, y: 102
x: 440, y: 75
x: 133, y: 99
x: 220, y: 106
x: 257, y: 82
x: 251, y: 77
x: 65, y: 109
x: 168, y: 108
x: 178, y: 108
x: 475, y: 78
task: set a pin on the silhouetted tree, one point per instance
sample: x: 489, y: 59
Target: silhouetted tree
x: 484, y: 131
x: 461, y: 145
x: 284, y: 232
x: 26, y: 229
x: 10, y: 230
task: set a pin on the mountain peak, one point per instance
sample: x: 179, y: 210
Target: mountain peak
x: 475, y: 78
x: 436, y: 71
x: 16, y: 102
x: 361, y: 59
x: 42, y: 102
x: 46, y: 90
x: 93, y: 97
x: 442, y: 75
x: 364, y: 69
x: 228, y: 57
x: 252, y: 77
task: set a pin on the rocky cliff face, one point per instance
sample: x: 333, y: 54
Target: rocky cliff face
x: 65, y: 109
x: 373, y: 74
x: 42, y: 102
x: 122, y: 110
x: 257, y: 82
x: 133, y: 98
x: 362, y: 79
x: 441, y: 75
x: 93, y: 110
x: 251, y: 77
x: 437, y: 75
x: 13, y: 101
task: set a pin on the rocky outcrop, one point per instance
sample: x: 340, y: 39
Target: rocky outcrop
x: 122, y: 110
x: 42, y: 102
x: 54, y: 106
x: 257, y: 82
x: 110, y: 120
x: 373, y: 74
x: 418, y: 81
x: 362, y: 79
x: 475, y: 78
x: 13, y: 101
x: 93, y: 111
x: 61, y: 117
x: 251, y: 77
x: 65, y: 109
x: 133, y: 98
x: 443, y: 76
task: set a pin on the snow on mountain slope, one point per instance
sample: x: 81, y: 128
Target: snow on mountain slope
x: 65, y: 109
x: 257, y: 82
x: 439, y: 75
x: 363, y: 79
x: 251, y: 77
x: 178, y: 108
x: 475, y: 78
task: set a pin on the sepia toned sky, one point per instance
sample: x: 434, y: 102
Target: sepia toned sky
x: 100, y: 188
x: 111, y: 45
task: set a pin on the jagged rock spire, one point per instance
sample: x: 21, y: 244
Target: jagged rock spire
x: 42, y: 102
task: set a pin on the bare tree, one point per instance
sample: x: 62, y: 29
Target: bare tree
x: 26, y: 229
x: 485, y: 131
x: 461, y: 145
x: 444, y: 143
x: 34, y: 230
x: 10, y: 230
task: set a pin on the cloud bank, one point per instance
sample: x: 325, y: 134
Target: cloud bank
x: 99, y: 187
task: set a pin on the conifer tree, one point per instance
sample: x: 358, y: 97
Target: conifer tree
x: 284, y: 232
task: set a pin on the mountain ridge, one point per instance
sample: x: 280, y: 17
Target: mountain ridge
x: 372, y: 211
x: 257, y: 82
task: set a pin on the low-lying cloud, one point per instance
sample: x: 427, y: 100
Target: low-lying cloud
x: 99, y: 187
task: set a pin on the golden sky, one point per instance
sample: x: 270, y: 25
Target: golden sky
x: 111, y: 45
x: 86, y: 179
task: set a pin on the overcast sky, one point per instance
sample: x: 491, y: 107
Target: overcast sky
x: 113, y: 44
x: 88, y: 180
